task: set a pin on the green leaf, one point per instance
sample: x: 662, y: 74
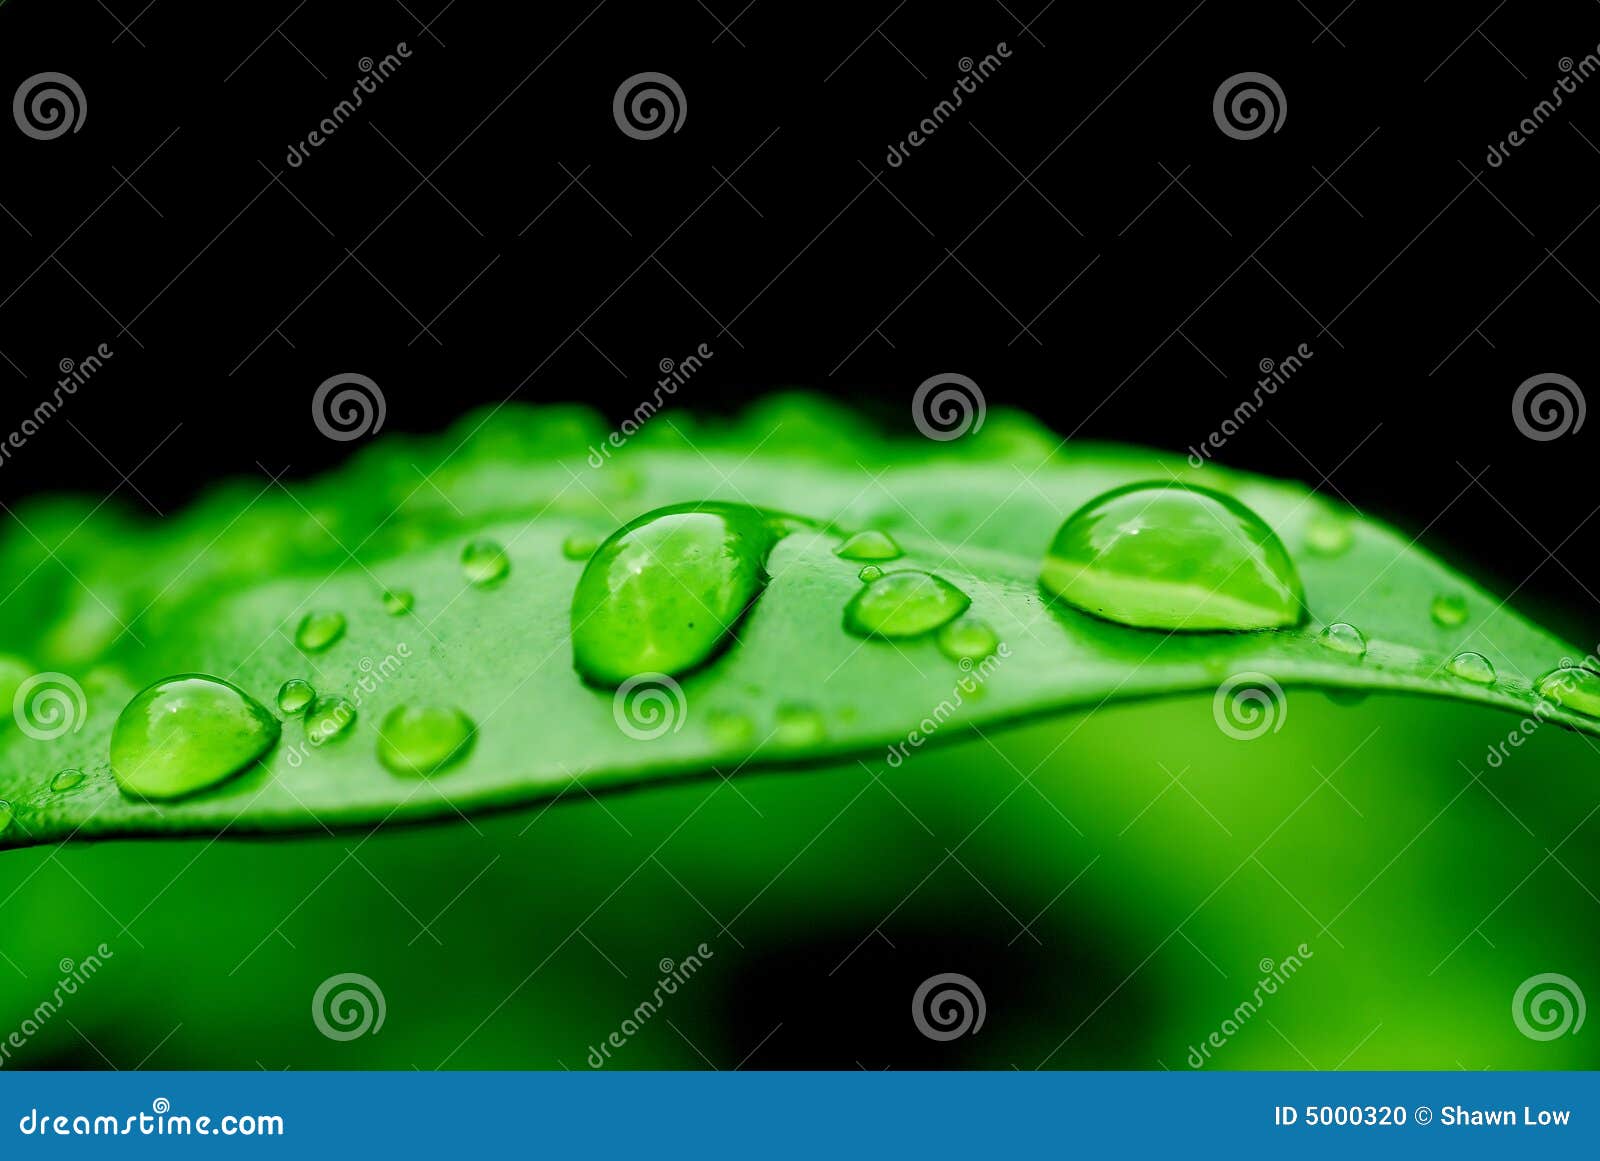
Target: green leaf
x: 111, y: 602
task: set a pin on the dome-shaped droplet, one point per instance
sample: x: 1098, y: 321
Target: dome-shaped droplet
x: 907, y: 603
x: 318, y: 631
x: 1343, y: 637
x: 579, y: 547
x: 1473, y: 667
x: 798, y: 725
x: 730, y: 728
x: 1171, y: 556
x: 869, y: 573
x: 664, y: 593
x: 869, y: 545
x: 1573, y: 688
x: 187, y: 733
x: 420, y: 739
x: 1448, y: 610
x: 294, y: 695
x: 484, y: 563
x: 967, y: 639
x: 398, y: 602
x: 67, y: 779
x: 328, y: 718
x: 1328, y: 534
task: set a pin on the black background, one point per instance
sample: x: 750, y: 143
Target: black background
x: 1080, y: 238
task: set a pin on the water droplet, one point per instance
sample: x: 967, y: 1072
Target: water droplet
x: 187, y: 733
x: 579, y: 547
x: 485, y: 563
x: 67, y: 780
x: 799, y: 725
x: 869, y: 545
x: 1448, y: 609
x: 730, y: 728
x: 398, y: 602
x: 294, y: 695
x: 663, y: 593
x: 1473, y: 667
x: 869, y: 573
x: 318, y: 631
x: 328, y: 718
x: 907, y: 603
x: 1572, y: 688
x: 1328, y: 534
x: 1343, y: 638
x: 1171, y: 556
x: 967, y: 639
x: 419, y: 739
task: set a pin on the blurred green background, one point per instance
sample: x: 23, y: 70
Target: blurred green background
x: 1110, y: 881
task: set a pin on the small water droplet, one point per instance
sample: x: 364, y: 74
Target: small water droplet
x: 67, y: 779
x: 1328, y: 534
x: 901, y: 604
x: 1473, y: 667
x: 187, y: 733
x: 1448, y: 610
x: 869, y: 545
x: 294, y: 695
x: 398, y: 602
x: 799, y: 725
x: 328, y: 718
x: 485, y: 563
x: 1173, y: 556
x: 319, y: 630
x: 579, y: 547
x: 420, y: 739
x: 663, y: 594
x: 730, y: 728
x: 869, y: 573
x: 1573, y: 688
x: 967, y: 639
x: 1343, y: 638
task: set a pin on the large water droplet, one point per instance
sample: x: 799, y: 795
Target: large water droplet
x: 1572, y: 688
x: 869, y: 545
x: 1448, y: 610
x: 907, y: 603
x: 1343, y: 637
x: 663, y: 593
x: 398, y: 602
x: 1473, y: 667
x: 484, y: 563
x: 967, y: 639
x: 187, y: 733
x: 319, y: 630
x: 294, y: 695
x: 1172, y: 556
x: 419, y: 739
x: 67, y: 780
x: 328, y: 718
